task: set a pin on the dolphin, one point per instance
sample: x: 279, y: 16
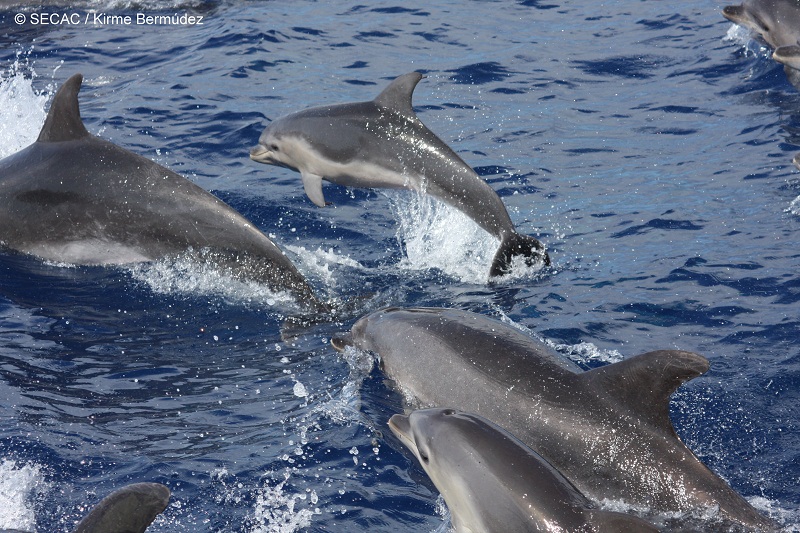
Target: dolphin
x: 778, y: 23
x: 606, y: 430
x: 491, y: 481
x: 382, y: 143
x: 72, y: 197
x: 130, y: 509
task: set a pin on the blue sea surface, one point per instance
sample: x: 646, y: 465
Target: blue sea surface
x: 647, y: 144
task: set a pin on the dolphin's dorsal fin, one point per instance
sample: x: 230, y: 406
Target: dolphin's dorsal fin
x: 643, y: 384
x: 397, y: 96
x: 64, y: 122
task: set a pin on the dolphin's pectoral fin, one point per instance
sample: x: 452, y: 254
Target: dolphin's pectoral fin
x: 643, y: 384
x: 63, y: 122
x: 397, y: 95
x: 313, y: 187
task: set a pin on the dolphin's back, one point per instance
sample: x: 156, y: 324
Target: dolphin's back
x: 128, y: 510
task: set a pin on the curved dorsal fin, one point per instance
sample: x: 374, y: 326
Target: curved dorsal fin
x: 643, y: 384
x: 397, y: 96
x: 63, y: 121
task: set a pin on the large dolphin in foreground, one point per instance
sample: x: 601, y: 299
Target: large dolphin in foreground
x: 778, y: 22
x: 382, y: 143
x: 606, y: 430
x: 130, y: 509
x: 72, y: 197
x: 493, y: 482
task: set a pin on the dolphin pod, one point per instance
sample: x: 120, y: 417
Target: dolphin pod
x: 606, y: 430
x: 493, y: 482
x: 382, y: 143
x: 778, y: 22
x: 130, y: 509
x: 72, y: 197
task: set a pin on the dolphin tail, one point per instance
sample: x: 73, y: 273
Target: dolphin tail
x: 518, y: 245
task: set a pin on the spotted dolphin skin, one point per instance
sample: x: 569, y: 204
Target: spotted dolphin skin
x: 493, y: 482
x: 74, y: 198
x: 382, y: 143
x: 606, y: 430
x: 778, y: 23
x: 130, y: 509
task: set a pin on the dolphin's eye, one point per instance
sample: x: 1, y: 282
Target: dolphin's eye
x: 273, y: 147
x: 423, y: 456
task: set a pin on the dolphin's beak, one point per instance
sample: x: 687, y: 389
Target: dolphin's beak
x: 340, y: 343
x: 401, y: 427
x: 734, y: 13
x: 260, y: 153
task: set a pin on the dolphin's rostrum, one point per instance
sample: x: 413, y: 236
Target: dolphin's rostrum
x: 382, y: 143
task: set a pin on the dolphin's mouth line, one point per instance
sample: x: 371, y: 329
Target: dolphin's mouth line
x: 261, y: 154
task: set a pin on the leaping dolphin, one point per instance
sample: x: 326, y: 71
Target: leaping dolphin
x: 491, y: 481
x: 72, y: 197
x: 778, y: 23
x: 130, y: 509
x: 382, y: 143
x: 606, y: 430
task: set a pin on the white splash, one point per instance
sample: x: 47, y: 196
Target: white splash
x: 435, y: 235
x: 321, y: 264
x: 19, y: 486
x: 22, y: 109
x: 184, y: 275
x: 794, y: 207
x: 345, y: 407
x: 583, y: 352
x: 277, y: 511
x: 744, y: 37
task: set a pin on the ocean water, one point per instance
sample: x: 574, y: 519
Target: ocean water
x: 647, y: 144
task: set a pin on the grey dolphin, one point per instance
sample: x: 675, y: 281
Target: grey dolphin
x: 382, y: 143
x: 130, y: 509
x: 607, y: 430
x: 72, y: 197
x: 127, y: 510
x: 778, y: 22
x: 491, y: 481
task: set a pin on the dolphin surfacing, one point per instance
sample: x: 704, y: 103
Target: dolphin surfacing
x: 778, y: 23
x: 72, y: 197
x: 382, y: 143
x: 607, y: 430
x: 130, y: 509
x: 491, y: 481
